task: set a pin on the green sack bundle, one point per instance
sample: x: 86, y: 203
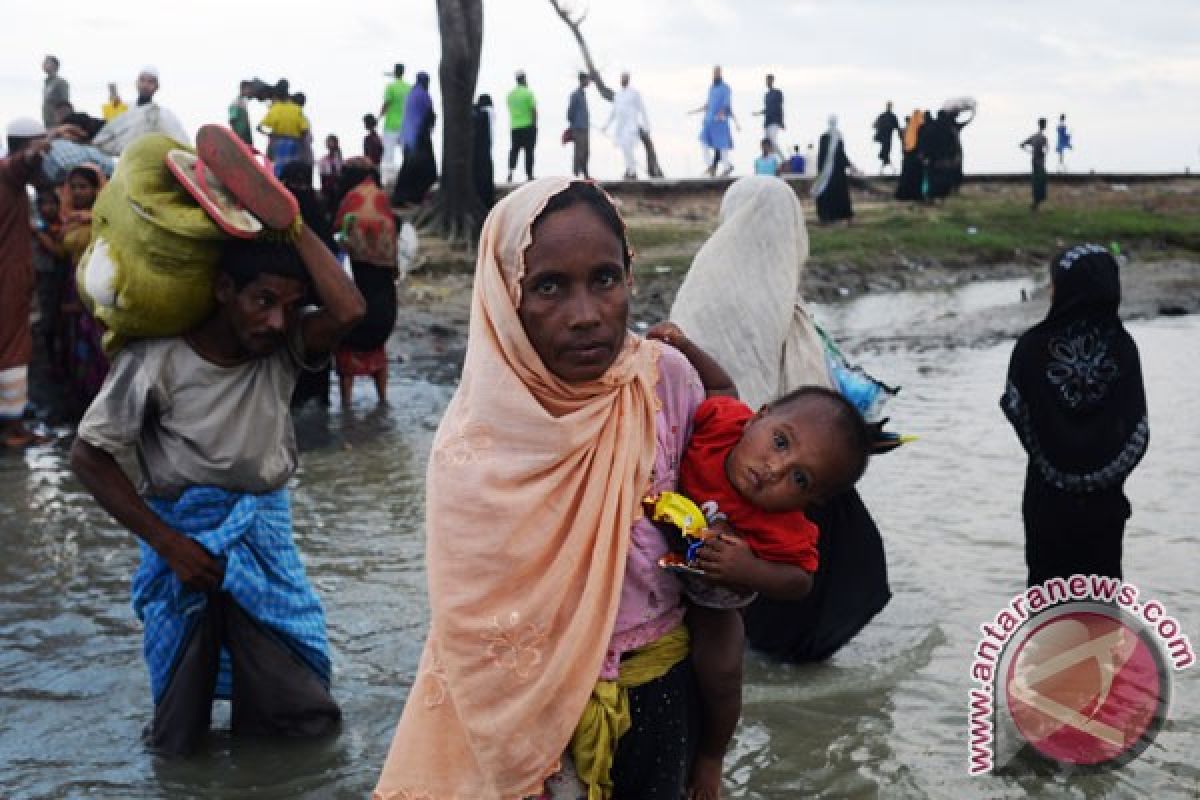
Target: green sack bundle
x: 152, y: 262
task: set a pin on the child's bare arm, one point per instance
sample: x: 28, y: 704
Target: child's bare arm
x: 714, y: 377
x: 728, y: 559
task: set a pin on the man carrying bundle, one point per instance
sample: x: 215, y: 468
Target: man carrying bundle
x: 221, y: 590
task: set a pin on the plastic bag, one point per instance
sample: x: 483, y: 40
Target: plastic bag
x: 865, y: 392
x: 154, y: 253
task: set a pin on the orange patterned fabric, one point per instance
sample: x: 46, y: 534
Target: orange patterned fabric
x: 533, y: 486
x: 365, y: 217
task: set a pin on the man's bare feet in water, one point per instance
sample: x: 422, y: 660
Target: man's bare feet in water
x: 705, y: 783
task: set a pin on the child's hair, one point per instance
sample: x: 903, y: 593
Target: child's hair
x: 369, y: 121
x: 244, y: 260
x: 848, y: 423
x: 87, y: 174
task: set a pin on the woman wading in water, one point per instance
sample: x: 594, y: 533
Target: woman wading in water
x: 556, y: 662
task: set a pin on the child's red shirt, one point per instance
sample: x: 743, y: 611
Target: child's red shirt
x: 787, y: 537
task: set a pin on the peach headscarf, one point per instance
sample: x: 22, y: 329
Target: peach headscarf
x: 532, y: 489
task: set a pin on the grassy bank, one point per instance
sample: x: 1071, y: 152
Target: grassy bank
x: 985, y: 224
x: 976, y: 230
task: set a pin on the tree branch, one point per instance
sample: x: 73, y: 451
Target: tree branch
x: 574, y: 24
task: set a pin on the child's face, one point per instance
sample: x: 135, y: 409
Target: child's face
x: 48, y: 210
x: 83, y: 194
x: 787, y: 458
x: 331, y: 143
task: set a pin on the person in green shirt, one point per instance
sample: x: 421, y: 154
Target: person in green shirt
x: 239, y: 113
x: 392, y: 113
x: 522, y: 116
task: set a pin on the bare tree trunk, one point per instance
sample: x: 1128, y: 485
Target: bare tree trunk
x: 456, y: 211
x: 606, y: 91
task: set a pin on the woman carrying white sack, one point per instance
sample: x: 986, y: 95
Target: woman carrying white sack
x: 742, y: 303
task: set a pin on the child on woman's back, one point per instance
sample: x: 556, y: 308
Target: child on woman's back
x: 754, y: 473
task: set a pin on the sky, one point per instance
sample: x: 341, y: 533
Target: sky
x: 1127, y: 75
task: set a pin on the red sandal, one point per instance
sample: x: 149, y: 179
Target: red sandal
x: 247, y: 178
x: 217, y: 201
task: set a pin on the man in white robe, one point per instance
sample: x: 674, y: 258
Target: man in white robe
x: 629, y: 118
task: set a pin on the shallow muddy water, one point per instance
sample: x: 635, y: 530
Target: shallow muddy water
x: 886, y: 717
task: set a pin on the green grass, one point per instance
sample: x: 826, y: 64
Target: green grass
x: 671, y: 234
x: 883, y: 235
x: 1004, y: 231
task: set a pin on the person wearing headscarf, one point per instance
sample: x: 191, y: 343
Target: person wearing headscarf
x: 419, y: 170
x: 552, y: 627
x: 943, y: 154
x: 86, y: 364
x: 748, y: 277
x: 912, y: 169
x: 484, y: 170
x: 27, y: 142
x: 1075, y: 398
x: 831, y: 188
x: 368, y: 227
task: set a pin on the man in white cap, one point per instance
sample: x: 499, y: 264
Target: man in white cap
x: 629, y: 117
x: 27, y: 142
x: 147, y: 85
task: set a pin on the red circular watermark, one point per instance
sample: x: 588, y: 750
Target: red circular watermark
x: 1087, y: 687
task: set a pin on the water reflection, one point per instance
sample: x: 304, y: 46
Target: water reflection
x: 886, y: 717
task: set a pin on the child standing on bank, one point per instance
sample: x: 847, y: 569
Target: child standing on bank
x: 754, y: 473
x: 372, y: 143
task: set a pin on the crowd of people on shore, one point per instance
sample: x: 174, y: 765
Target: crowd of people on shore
x: 398, y: 138
x: 57, y: 346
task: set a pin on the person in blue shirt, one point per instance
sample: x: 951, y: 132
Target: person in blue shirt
x: 1063, y: 143
x: 715, y: 135
x: 796, y: 164
x: 767, y: 163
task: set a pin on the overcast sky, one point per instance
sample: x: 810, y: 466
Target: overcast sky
x: 1127, y: 75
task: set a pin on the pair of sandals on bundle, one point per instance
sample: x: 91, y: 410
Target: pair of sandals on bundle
x: 235, y: 185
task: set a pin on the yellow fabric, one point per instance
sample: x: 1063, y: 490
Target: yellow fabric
x: 111, y: 110
x: 532, y: 489
x: 162, y: 244
x: 912, y: 129
x: 285, y: 118
x: 606, y: 716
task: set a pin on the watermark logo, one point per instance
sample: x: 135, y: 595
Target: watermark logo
x: 1078, y: 670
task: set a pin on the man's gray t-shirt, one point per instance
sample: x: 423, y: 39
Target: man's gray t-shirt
x: 54, y: 91
x: 195, y: 423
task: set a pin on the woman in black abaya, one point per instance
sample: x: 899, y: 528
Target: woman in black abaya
x: 1076, y: 401
x: 831, y: 188
x: 910, y: 185
x: 419, y: 171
